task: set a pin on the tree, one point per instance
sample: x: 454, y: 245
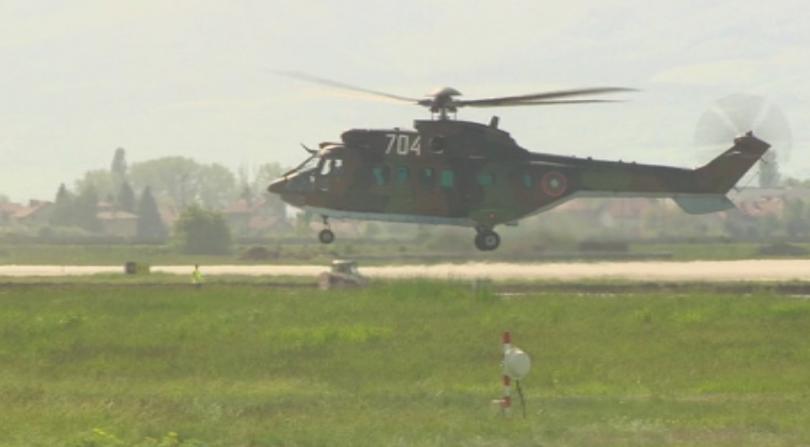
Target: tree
x: 99, y: 180
x: 267, y: 173
x: 85, y: 210
x: 62, y: 207
x: 769, y: 176
x: 215, y: 186
x: 796, y: 221
x: 150, y: 227
x: 184, y: 182
x: 126, y: 198
x: 118, y: 168
x: 169, y: 178
x: 247, y: 194
x: 199, y: 231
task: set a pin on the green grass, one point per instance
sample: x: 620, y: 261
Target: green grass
x: 408, y: 363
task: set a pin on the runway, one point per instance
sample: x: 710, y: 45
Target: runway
x: 726, y: 271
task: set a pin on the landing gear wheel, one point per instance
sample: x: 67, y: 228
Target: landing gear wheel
x: 326, y: 236
x: 487, y: 240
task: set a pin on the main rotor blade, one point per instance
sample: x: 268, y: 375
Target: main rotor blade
x: 328, y: 82
x: 541, y: 96
x: 547, y: 103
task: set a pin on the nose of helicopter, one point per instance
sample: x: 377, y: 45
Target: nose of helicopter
x: 277, y: 186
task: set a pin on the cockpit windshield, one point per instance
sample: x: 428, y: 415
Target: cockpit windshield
x: 310, y: 164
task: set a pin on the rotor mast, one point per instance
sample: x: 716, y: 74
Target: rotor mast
x: 441, y: 101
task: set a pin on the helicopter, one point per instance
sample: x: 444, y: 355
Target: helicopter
x: 447, y: 171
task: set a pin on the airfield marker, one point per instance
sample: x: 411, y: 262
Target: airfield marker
x: 506, y: 396
x: 516, y: 365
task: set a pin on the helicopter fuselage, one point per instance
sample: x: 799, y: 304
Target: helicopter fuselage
x: 476, y: 175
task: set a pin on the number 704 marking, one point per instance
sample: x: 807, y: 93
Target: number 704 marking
x: 403, y: 144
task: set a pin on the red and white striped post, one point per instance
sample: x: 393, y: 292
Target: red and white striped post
x: 506, y: 398
x: 516, y: 365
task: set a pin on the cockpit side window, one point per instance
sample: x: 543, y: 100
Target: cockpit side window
x: 330, y: 166
x: 325, y: 167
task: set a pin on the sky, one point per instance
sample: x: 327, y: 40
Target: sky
x: 196, y: 78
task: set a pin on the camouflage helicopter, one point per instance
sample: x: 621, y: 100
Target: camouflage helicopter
x: 452, y: 172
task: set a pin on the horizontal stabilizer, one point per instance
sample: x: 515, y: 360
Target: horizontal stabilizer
x: 703, y: 203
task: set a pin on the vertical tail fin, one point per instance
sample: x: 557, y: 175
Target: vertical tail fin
x: 722, y: 173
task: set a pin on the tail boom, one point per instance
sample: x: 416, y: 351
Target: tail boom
x: 696, y: 191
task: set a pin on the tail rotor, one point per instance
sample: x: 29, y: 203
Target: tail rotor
x: 734, y: 115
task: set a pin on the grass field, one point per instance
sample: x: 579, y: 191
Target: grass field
x: 408, y: 363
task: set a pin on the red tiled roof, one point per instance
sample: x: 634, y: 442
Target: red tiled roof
x: 27, y: 211
x: 116, y: 215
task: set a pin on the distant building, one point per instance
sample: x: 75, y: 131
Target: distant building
x: 168, y: 214
x: 118, y: 223
x: 256, y: 216
x: 38, y: 212
x: 7, y: 212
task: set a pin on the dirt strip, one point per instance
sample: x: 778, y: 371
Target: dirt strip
x: 770, y: 270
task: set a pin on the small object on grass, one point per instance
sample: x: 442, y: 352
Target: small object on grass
x: 343, y: 274
x: 196, y: 276
x: 516, y: 365
x: 130, y: 268
x: 136, y: 268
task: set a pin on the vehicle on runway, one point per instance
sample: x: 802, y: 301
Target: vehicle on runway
x: 452, y: 172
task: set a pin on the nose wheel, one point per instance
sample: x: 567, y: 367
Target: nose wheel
x: 326, y: 236
x: 487, y: 240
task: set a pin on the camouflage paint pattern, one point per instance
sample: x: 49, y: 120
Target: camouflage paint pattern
x: 477, y: 174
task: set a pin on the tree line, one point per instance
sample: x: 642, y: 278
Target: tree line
x: 81, y: 210
x: 179, y: 183
x: 182, y: 181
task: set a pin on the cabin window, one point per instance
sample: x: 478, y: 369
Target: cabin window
x: 403, y: 173
x: 381, y: 174
x: 528, y: 181
x: 428, y: 177
x: 447, y: 179
x: 486, y: 179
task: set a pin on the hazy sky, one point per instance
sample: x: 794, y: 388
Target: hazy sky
x: 194, y: 78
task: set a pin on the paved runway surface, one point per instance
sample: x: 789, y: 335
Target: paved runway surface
x: 747, y: 270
